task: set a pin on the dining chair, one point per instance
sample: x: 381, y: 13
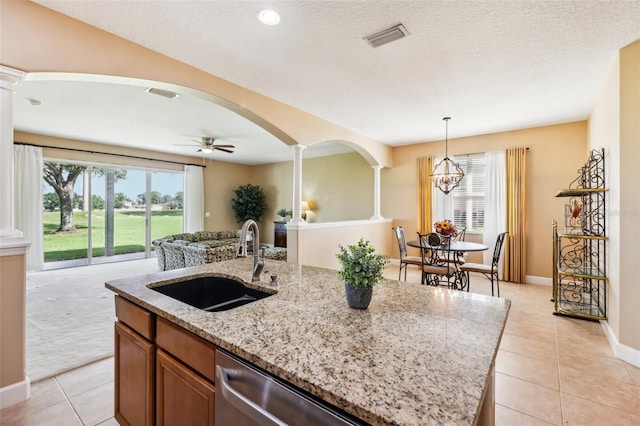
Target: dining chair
x: 461, y: 233
x: 437, y: 262
x: 404, y: 259
x: 460, y: 257
x: 489, y: 271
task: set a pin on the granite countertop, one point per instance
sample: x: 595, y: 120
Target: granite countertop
x: 419, y: 355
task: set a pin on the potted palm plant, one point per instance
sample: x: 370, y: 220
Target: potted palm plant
x: 361, y: 269
x: 249, y: 203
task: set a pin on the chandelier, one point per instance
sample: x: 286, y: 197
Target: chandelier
x: 447, y: 174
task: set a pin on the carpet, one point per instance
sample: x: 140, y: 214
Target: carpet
x: 70, y: 315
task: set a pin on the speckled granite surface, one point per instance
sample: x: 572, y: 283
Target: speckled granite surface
x: 419, y: 355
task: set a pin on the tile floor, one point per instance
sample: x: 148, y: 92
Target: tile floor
x: 549, y: 371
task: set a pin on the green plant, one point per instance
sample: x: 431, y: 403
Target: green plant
x: 360, y: 265
x: 249, y: 203
x: 282, y: 213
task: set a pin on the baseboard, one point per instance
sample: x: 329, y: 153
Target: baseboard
x: 15, y: 393
x: 530, y: 279
x: 624, y: 352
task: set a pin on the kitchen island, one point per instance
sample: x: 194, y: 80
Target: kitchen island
x: 419, y: 355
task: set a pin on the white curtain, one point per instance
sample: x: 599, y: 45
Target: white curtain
x: 27, y: 163
x: 441, y: 203
x: 495, y: 205
x: 193, y: 199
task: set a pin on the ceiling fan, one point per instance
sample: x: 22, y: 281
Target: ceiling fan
x: 207, y: 145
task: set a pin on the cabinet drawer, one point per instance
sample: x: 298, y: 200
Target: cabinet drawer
x: 135, y: 317
x: 192, y: 350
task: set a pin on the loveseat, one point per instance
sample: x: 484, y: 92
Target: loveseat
x: 192, y: 249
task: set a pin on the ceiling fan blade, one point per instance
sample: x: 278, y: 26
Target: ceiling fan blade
x: 225, y: 146
x: 222, y: 149
x: 184, y: 144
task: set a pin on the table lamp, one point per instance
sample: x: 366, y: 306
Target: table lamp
x: 304, y: 206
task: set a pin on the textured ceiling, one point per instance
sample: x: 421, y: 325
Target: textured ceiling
x: 490, y: 65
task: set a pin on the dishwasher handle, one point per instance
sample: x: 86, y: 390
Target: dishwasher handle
x: 244, y: 404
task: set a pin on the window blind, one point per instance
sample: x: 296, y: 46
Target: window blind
x: 468, y: 197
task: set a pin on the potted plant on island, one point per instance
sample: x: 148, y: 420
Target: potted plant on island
x: 361, y: 269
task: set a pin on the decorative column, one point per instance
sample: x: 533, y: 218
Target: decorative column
x: 14, y: 384
x: 297, y: 184
x: 376, y: 192
x: 9, y: 78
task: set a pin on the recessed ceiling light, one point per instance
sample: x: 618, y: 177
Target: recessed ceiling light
x: 269, y: 17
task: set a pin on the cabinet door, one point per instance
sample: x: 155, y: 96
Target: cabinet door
x: 280, y: 234
x: 134, y: 384
x: 183, y: 397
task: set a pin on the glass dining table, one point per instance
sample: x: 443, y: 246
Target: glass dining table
x: 458, y: 247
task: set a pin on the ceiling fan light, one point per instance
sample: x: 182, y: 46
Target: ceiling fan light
x: 206, y: 150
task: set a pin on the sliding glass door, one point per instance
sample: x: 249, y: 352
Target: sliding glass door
x: 65, y: 214
x: 167, y: 216
x: 117, y: 212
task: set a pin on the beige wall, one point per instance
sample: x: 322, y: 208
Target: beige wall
x: 319, y: 243
x: 614, y: 124
x: 12, y: 319
x: 338, y: 188
x: 220, y: 179
x: 554, y: 157
x: 630, y: 195
x: 604, y: 132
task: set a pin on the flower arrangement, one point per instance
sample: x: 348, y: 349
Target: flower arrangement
x: 445, y: 227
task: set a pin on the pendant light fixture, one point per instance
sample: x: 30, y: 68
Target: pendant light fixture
x: 447, y: 174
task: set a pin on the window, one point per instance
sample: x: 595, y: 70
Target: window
x: 468, y: 198
x: 107, y: 211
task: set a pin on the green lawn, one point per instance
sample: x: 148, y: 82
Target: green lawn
x: 128, y: 238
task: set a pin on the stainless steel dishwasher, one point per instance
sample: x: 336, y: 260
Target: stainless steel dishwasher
x: 246, y: 396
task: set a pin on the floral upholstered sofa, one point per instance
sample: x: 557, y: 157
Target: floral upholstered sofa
x: 192, y: 249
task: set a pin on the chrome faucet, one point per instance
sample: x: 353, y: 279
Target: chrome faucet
x: 258, y: 263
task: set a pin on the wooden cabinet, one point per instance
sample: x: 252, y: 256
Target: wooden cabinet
x: 185, y: 374
x: 280, y: 234
x: 164, y: 374
x: 183, y: 397
x: 134, y: 369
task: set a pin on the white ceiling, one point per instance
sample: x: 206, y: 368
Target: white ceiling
x: 491, y: 65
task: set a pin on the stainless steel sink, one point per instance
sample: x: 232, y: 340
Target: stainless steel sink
x: 212, y: 294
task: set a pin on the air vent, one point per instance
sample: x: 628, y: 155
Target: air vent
x: 160, y: 92
x: 387, y: 36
